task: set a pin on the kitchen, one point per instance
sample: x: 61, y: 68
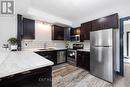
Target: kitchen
x: 51, y: 52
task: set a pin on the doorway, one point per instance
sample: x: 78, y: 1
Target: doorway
x: 124, y: 45
x: 126, y: 41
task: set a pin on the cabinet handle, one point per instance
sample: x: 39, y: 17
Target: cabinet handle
x: 26, y: 72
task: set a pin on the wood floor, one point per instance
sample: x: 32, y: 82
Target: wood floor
x: 70, y: 76
x: 66, y: 75
x: 124, y: 81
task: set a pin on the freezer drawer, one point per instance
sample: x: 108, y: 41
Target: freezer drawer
x: 101, y: 62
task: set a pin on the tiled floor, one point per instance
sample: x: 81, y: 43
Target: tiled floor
x: 70, y: 76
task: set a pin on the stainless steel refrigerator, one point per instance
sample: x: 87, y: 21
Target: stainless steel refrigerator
x: 102, y: 62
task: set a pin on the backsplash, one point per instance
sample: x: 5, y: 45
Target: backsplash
x: 86, y: 44
x: 29, y: 44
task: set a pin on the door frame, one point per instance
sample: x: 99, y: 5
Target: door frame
x: 128, y: 43
x: 121, y: 44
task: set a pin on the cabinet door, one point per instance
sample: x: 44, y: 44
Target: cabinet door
x: 57, y: 33
x: 35, y: 78
x: 50, y: 55
x: 105, y: 23
x: 85, y: 30
x: 38, y: 78
x: 86, y: 57
x: 28, y: 29
x: 54, y: 57
x: 67, y: 33
x: 75, y: 31
x: 83, y: 60
x: 79, y: 60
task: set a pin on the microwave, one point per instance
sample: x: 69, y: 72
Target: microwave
x: 75, y: 38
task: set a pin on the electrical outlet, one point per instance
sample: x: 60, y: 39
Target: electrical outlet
x: 26, y: 44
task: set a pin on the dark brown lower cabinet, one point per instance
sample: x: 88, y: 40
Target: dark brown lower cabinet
x: 41, y: 77
x: 50, y: 55
x: 56, y: 56
x: 83, y: 60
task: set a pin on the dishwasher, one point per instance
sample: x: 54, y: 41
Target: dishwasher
x: 61, y: 56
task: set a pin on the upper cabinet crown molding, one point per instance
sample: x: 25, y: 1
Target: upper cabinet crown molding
x: 107, y: 22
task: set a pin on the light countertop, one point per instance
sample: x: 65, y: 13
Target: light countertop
x: 40, y: 49
x: 20, y: 61
x: 86, y: 50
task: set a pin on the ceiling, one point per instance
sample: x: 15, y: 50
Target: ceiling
x: 74, y: 10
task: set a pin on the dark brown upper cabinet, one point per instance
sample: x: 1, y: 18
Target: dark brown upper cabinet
x: 85, y: 31
x: 67, y: 33
x: 105, y: 22
x: 57, y: 33
x: 75, y: 31
x: 28, y: 29
x: 75, y: 34
x: 19, y: 30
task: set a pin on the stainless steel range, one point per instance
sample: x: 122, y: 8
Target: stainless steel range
x: 72, y: 54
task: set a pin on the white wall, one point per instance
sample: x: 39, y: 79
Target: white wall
x: 42, y: 31
x: 7, y: 28
x: 8, y: 23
